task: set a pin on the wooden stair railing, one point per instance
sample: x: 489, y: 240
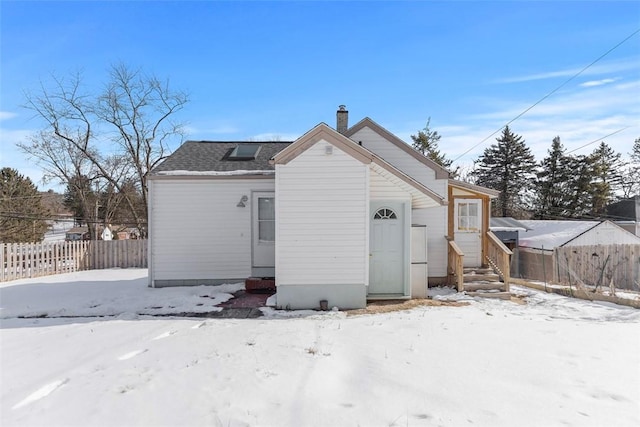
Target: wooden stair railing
x: 499, y: 258
x: 456, y: 269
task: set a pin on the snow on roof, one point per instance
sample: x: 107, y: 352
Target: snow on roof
x: 547, y: 234
x: 506, y: 224
x: 218, y: 173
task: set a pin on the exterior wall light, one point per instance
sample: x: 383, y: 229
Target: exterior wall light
x: 243, y: 200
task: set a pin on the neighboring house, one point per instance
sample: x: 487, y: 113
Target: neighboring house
x: 626, y: 213
x: 340, y: 215
x: 536, y: 245
x: 508, y: 230
x: 107, y: 234
x: 76, y: 234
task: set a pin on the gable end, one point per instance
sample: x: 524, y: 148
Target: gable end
x: 441, y: 173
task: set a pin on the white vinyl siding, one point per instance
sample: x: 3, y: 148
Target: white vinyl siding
x: 436, y: 221
x: 434, y: 218
x: 321, y: 226
x: 383, y: 189
x: 401, y: 160
x: 197, y: 231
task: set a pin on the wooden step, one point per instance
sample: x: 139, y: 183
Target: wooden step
x: 260, y: 284
x: 489, y: 277
x: 477, y: 270
x: 484, y: 286
x: 500, y: 295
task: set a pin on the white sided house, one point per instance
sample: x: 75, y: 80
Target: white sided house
x: 341, y: 216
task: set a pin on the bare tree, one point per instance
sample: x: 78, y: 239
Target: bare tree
x: 114, y: 137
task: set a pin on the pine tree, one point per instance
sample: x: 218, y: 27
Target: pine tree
x: 552, y: 185
x: 426, y: 142
x: 508, y: 166
x: 631, y: 181
x: 607, y: 167
x: 579, y: 189
x: 22, y: 214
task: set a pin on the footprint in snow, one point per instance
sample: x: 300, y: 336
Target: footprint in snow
x: 199, y: 325
x: 131, y: 354
x: 43, y: 391
x: 164, y: 335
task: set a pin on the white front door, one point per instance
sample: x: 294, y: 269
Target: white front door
x: 468, y: 230
x: 387, y: 258
x: 264, y: 229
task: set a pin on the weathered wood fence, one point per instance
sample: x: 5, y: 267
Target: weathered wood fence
x: 25, y: 260
x: 594, y: 265
x: 598, y: 265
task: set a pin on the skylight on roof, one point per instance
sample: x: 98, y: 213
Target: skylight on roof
x: 244, y: 152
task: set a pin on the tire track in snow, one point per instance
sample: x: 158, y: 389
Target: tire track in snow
x: 132, y: 354
x: 164, y: 335
x: 42, y: 392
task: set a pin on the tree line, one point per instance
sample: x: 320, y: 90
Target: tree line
x: 562, y: 185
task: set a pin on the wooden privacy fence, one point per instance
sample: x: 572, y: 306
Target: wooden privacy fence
x: 25, y: 260
x: 598, y: 265
x: 594, y: 265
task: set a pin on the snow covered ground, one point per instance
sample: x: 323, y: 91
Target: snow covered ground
x: 552, y: 361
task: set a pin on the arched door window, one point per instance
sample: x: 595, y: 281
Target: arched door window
x: 385, y: 213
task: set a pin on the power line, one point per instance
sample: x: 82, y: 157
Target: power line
x: 596, y: 140
x: 549, y: 94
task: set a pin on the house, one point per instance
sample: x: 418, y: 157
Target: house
x: 626, y: 213
x: 536, y: 245
x: 340, y: 215
x: 508, y: 230
x: 76, y: 234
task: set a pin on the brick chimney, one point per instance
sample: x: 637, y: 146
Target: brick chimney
x: 342, y: 116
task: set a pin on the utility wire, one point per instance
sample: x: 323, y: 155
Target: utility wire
x: 549, y: 94
x: 596, y: 140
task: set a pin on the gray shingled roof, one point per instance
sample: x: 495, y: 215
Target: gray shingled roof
x: 205, y: 156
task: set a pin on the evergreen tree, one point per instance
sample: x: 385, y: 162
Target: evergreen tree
x: 631, y: 181
x: 579, y: 189
x: 552, y: 185
x: 426, y: 142
x: 22, y: 214
x: 508, y: 166
x: 607, y: 167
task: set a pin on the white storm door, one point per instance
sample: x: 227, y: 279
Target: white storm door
x: 264, y: 229
x: 387, y: 256
x: 468, y: 230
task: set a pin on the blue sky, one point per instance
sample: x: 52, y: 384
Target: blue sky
x: 276, y: 69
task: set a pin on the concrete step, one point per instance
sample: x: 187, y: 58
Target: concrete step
x: 485, y: 294
x: 484, y: 286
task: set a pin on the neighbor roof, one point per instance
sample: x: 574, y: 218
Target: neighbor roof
x: 549, y: 234
x: 210, y: 156
x: 506, y: 224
